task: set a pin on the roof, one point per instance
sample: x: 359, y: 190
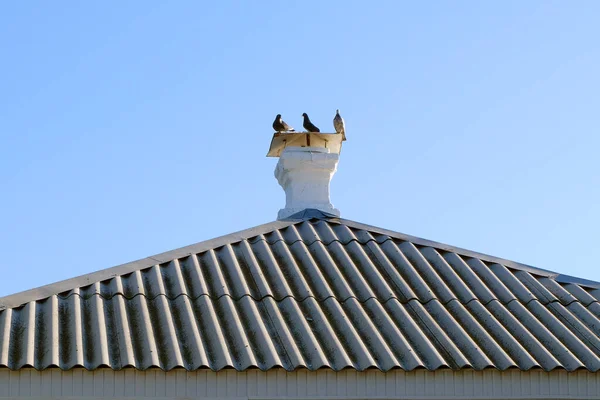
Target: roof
x: 313, y: 291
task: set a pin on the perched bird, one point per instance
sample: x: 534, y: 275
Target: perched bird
x: 309, y: 126
x: 280, y: 126
x: 338, y: 124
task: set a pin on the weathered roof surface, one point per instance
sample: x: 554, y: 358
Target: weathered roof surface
x: 308, y: 293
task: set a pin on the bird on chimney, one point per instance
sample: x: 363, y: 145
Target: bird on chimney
x: 280, y: 126
x: 309, y: 126
x: 338, y: 124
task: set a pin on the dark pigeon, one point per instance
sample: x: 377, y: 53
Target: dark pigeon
x: 309, y: 125
x: 280, y: 126
x: 338, y: 124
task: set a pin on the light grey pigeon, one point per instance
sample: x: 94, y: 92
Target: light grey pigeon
x: 309, y: 126
x: 338, y: 124
x: 280, y: 126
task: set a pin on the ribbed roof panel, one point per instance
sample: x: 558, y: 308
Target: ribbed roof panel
x: 312, y: 294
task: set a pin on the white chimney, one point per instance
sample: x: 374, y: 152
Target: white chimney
x: 304, y: 171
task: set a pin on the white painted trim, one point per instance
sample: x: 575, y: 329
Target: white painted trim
x: 305, y: 173
x: 299, y: 385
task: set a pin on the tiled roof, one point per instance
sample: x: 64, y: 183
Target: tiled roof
x: 308, y: 293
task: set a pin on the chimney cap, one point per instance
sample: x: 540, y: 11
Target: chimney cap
x: 331, y: 141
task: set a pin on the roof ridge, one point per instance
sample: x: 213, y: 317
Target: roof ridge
x: 558, y: 277
x: 43, y: 292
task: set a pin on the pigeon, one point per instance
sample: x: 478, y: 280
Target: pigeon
x: 338, y: 124
x: 280, y: 126
x: 309, y: 125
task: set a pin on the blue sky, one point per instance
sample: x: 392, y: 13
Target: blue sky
x: 132, y: 128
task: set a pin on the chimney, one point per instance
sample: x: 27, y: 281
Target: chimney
x: 307, y: 162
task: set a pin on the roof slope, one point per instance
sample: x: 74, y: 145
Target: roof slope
x: 308, y: 293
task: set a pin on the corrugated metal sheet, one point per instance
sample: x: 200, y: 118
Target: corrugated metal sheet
x: 302, y: 384
x: 312, y: 294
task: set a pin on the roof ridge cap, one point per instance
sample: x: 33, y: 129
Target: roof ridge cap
x: 310, y: 213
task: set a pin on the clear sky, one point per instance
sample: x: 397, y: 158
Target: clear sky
x: 132, y: 128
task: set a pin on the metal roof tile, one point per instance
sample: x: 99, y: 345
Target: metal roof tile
x: 554, y: 290
x: 492, y: 281
x: 410, y: 275
x: 504, y: 344
x: 447, y: 278
x: 580, y: 293
x: 474, y: 286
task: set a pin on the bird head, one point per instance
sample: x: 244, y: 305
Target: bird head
x: 337, y: 111
x: 278, y: 116
x: 304, y: 115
